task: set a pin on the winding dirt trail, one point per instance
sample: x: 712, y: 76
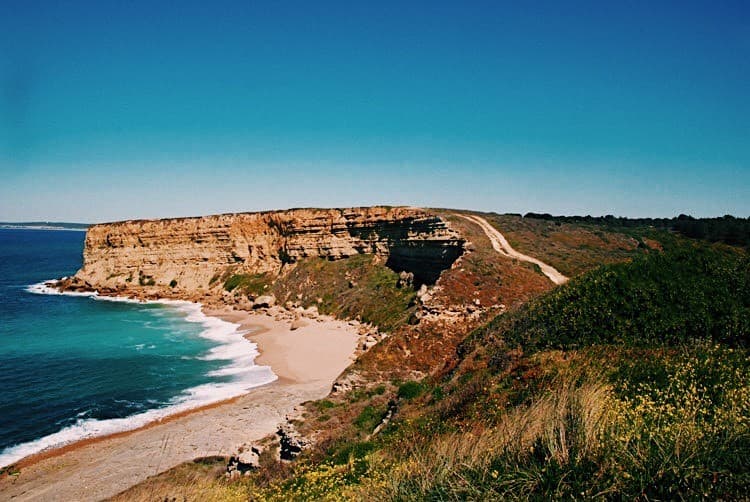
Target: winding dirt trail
x: 502, y: 246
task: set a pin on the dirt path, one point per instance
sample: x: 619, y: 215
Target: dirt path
x: 502, y: 246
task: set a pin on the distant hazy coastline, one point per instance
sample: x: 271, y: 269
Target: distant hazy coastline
x: 44, y: 225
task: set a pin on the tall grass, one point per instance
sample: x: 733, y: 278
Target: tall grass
x: 191, y: 481
x: 675, y: 427
x: 686, y: 437
x: 561, y: 428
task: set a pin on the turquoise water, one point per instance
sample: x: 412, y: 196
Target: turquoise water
x: 78, y: 366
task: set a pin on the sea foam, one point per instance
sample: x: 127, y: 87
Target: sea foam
x: 232, y: 347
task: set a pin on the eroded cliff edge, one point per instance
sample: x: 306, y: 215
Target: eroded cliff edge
x: 183, y: 257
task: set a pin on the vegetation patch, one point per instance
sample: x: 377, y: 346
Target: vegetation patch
x: 727, y: 229
x: 323, y: 404
x: 355, y: 287
x: 571, y: 247
x: 632, y: 381
x: 249, y: 284
x: 202, y: 480
x: 146, y: 280
x: 369, y: 418
x: 410, y: 390
x: 586, y: 437
x: 679, y: 296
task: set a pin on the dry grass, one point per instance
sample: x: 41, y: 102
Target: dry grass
x: 565, y: 424
x: 570, y: 248
x: 195, y: 481
x: 486, y: 275
x: 684, y: 437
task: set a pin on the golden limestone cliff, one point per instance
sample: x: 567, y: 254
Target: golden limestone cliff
x: 184, y: 257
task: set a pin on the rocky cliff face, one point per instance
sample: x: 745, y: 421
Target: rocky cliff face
x: 190, y: 254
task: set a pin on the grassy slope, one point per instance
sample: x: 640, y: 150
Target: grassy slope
x: 687, y: 293
x: 624, y: 413
x: 359, y: 286
x: 658, y: 409
x: 486, y: 275
x: 570, y: 248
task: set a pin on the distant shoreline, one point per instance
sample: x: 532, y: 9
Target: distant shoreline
x: 32, y: 227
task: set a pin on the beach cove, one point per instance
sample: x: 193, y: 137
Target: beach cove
x: 306, y: 360
x: 237, y: 270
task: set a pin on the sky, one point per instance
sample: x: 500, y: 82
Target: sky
x: 120, y: 110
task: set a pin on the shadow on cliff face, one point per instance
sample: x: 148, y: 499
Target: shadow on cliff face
x: 425, y: 262
x: 425, y: 258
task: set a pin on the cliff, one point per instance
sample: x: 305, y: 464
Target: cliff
x: 189, y: 255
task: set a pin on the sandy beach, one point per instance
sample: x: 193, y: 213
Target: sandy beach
x: 307, y: 360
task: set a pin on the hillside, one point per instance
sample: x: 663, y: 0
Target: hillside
x: 501, y: 356
x: 654, y: 408
x: 727, y: 229
x: 597, y: 387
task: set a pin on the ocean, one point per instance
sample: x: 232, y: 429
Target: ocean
x: 79, y: 366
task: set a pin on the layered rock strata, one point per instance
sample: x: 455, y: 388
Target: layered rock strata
x: 192, y: 254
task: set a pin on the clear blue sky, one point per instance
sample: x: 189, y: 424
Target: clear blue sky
x: 114, y: 110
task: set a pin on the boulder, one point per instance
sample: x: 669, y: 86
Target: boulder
x: 297, y: 324
x: 367, y: 345
x: 248, y: 460
x: 265, y: 301
x: 405, y: 280
x: 290, y: 442
x: 341, y: 386
x: 243, y: 462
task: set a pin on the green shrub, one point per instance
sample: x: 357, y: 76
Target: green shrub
x: 369, y: 418
x: 438, y: 393
x: 357, y: 286
x: 410, y: 390
x: 324, y: 404
x: 254, y: 284
x: 146, y: 280
x: 349, y: 451
x: 679, y: 296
